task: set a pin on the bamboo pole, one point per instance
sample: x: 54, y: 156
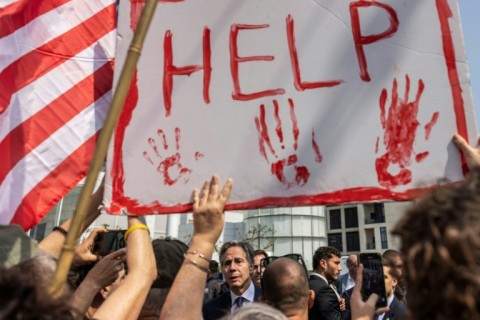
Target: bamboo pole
x: 118, y: 100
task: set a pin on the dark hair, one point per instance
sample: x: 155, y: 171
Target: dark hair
x: 260, y: 252
x: 392, y: 271
x: 324, y: 253
x: 19, y: 299
x: 391, y: 254
x: 247, y: 248
x: 213, y: 267
x: 440, y: 236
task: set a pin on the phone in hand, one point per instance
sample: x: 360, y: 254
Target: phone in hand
x: 373, y: 277
x: 108, y: 242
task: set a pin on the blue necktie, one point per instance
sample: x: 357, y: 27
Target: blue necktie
x: 239, y: 302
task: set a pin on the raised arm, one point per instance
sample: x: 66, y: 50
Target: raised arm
x: 52, y: 244
x: 127, y: 301
x: 186, y: 295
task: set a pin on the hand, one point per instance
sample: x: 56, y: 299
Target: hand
x: 472, y: 154
x: 362, y: 310
x: 83, y: 252
x: 208, y: 217
x: 106, y: 271
x: 342, y: 304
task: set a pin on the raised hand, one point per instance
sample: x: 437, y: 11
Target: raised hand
x: 208, y: 217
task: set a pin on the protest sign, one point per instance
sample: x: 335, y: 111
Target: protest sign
x: 300, y: 102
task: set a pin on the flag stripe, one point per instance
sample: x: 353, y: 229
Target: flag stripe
x: 31, y: 99
x: 48, y: 155
x: 56, y: 71
x: 54, y: 186
x: 38, y: 62
x: 33, y: 131
x: 48, y: 27
x: 20, y: 13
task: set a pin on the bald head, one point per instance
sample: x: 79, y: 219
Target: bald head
x: 285, y: 286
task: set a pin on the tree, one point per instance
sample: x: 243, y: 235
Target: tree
x: 260, y: 234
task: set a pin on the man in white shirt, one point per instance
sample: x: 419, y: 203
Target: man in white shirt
x: 347, y: 280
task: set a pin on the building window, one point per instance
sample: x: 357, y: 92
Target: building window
x: 335, y: 219
x: 351, y: 218
x: 353, y: 241
x: 377, y: 215
x: 335, y: 240
x: 383, y: 237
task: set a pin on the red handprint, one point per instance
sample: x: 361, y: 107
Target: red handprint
x: 400, y: 126
x: 300, y: 174
x: 170, y: 167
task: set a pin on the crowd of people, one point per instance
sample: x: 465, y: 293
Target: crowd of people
x: 433, y: 276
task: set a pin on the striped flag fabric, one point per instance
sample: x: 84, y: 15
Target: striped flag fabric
x: 56, y: 71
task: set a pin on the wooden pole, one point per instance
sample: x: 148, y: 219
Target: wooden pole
x: 101, y: 148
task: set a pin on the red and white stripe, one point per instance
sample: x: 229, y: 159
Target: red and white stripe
x: 56, y: 69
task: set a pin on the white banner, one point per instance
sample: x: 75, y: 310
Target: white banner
x: 300, y: 102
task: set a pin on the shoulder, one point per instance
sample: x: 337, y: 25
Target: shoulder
x: 397, y: 309
x: 222, y: 302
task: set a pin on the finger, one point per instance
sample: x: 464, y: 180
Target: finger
x: 117, y: 255
x: 227, y: 188
x: 93, y: 234
x: 357, y: 290
x: 213, y: 188
x: 379, y: 311
x: 372, y: 300
x: 195, y: 199
x: 204, y: 195
x: 462, y: 144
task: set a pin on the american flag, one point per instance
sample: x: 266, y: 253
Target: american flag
x: 56, y: 70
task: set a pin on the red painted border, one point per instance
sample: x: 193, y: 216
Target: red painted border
x: 360, y: 194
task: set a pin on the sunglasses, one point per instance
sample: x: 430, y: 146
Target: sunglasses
x: 294, y: 256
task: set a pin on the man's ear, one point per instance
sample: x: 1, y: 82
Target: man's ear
x: 311, y: 298
x: 323, y: 264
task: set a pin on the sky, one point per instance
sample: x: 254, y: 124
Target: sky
x: 470, y: 16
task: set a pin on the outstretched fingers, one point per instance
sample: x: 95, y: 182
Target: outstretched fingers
x: 205, y: 193
x: 227, y: 188
x: 214, y: 185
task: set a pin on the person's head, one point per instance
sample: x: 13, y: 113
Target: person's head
x: 352, y: 265
x: 396, y: 259
x: 213, y: 267
x: 440, y: 240
x: 326, y: 261
x: 390, y: 274
x: 258, y: 255
x: 256, y: 311
x: 169, y: 254
x: 285, y: 287
x: 19, y: 299
x: 236, y: 258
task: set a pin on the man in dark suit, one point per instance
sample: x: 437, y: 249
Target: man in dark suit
x: 326, y: 266
x: 236, y: 258
x: 397, y: 311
